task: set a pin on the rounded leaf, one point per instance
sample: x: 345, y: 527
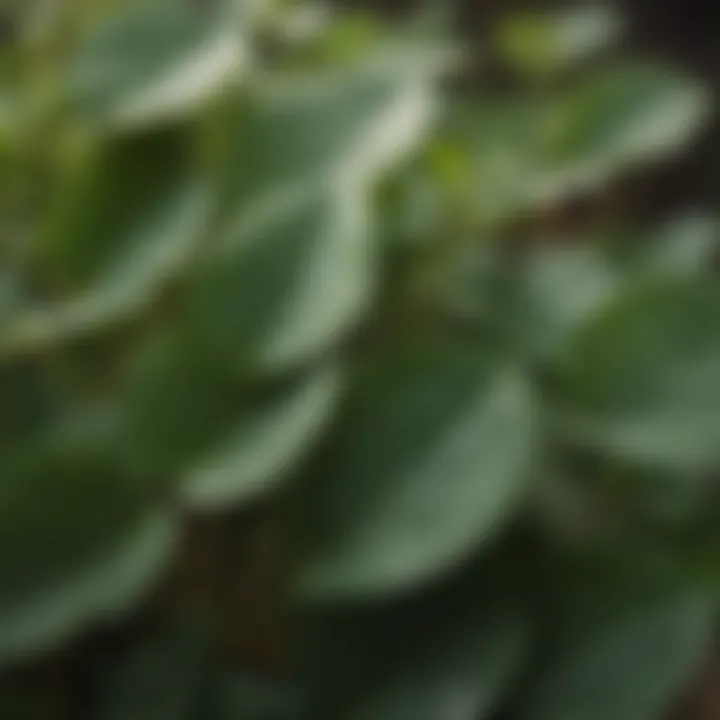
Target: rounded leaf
x: 75, y: 544
x: 287, y: 285
x: 621, y: 118
x: 154, y: 60
x: 264, y: 443
x: 631, y: 666
x: 129, y: 221
x: 643, y: 377
x: 430, y: 462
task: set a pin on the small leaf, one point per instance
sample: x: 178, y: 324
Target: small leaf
x: 284, y: 287
x: 431, y: 461
x: 564, y: 288
x: 503, y: 139
x: 643, y: 377
x: 265, y: 442
x: 621, y: 118
x: 156, y: 60
x: 684, y: 246
x: 546, y: 43
x: 629, y: 667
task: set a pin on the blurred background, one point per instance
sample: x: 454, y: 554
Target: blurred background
x: 230, y: 573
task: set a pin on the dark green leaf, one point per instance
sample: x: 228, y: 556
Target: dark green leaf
x: 644, y: 377
x: 75, y: 545
x: 432, y: 460
x: 630, y: 666
x: 620, y: 118
x: 287, y: 284
x: 264, y: 443
x: 130, y: 221
x: 461, y: 677
x: 173, y: 405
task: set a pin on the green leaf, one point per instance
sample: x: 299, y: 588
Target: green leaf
x: 432, y: 459
x: 85, y: 552
x: 129, y: 223
x: 563, y: 288
x: 343, y: 126
x: 156, y: 60
x: 266, y: 441
x: 620, y: 118
x: 630, y: 666
x: 173, y: 405
x: 643, y: 377
x: 502, y: 140
x: 541, y: 44
x: 683, y: 246
x: 287, y: 285
x: 459, y: 676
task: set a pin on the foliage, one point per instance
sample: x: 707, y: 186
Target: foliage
x: 263, y: 259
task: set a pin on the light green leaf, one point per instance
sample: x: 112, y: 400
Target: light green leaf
x: 265, y: 442
x: 459, y: 676
x: 155, y: 60
x: 286, y: 286
x: 541, y: 44
x: 502, y: 139
x: 431, y: 461
x: 631, y: 666
x: 643, y: 377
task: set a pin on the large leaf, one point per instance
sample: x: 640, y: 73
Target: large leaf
x: 629, y: 666
x: 75, y: 542
x: 333, y: 127
x: 431, y: 461
x: 643, y: 377
x: 129, y: 221
x: 156, y: 59
x: 264, y: 443
x: 284, y: 286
